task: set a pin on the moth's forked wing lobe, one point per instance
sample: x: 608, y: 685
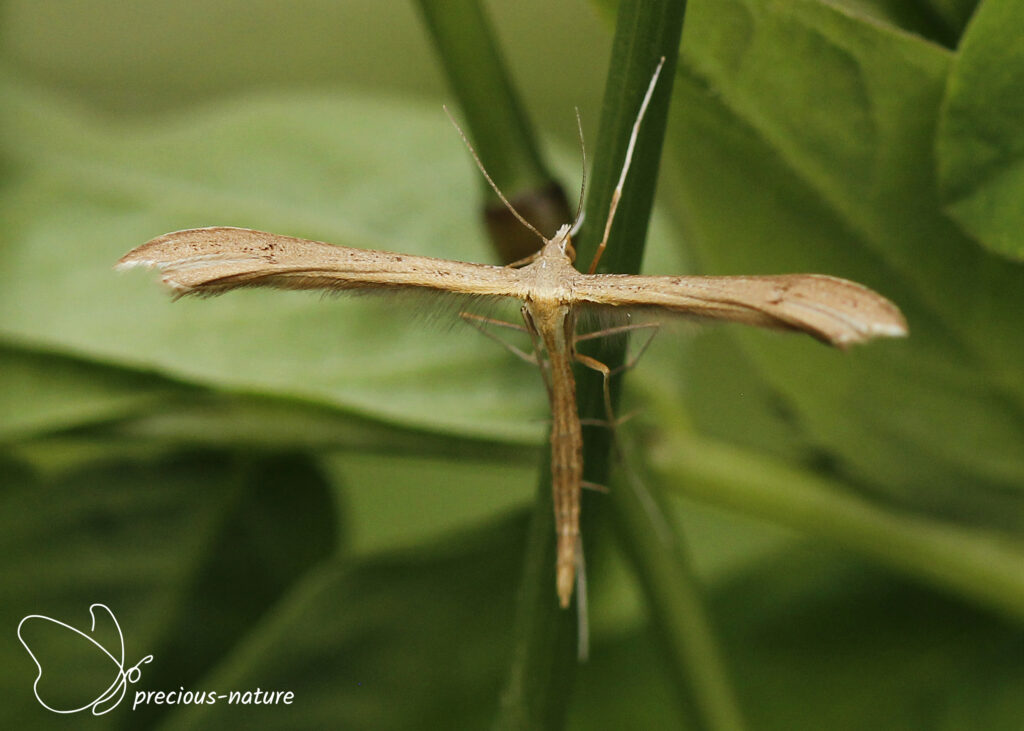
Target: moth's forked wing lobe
x: 214, y: 260
x: 836, y: 311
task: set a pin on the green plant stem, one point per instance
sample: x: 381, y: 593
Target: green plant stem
x: 646, y: 31
x: 675, y: 598
x: 970, y: 562
x: 541, y: 674
x: 495, y: 119
x: 499, y: 128
x: 542, y: 670
x: 540, y: 679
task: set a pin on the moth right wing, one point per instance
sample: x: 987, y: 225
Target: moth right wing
x: 836, y: 311
x: 214, y: 260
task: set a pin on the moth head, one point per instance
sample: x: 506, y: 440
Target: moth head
x: 563, y: 240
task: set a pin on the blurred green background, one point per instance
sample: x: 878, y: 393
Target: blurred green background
x: 330, y: 496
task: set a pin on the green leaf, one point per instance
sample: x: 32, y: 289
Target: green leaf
x: 45, y: 393
x: 823, y: 641
x: 282, y: 164
x: 940, y: 21
x: 987, y: 566
x: 803, y: 142
x: 188, y: 553
x: 804, y: 138
x: 396, y: 501
x: 412, y: 640
x: 820, y: 641
x: 981, y: 139
x: 817, y: 640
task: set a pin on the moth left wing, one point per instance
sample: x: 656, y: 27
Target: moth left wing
x: 836, y: 311
x: 214, y: 260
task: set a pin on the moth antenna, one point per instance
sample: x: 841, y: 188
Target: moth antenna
x: 578, y: 225
x: 625, y: 167
x: 483, y: 170
x: 578, y: 220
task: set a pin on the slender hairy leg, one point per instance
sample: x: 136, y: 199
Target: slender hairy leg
x: 525, y: 260
x: 617, y: 194
x: 617, y: 329
x: 604, y: 370
x: 611, y: 421
x: 606, y: 374
x: 631, y: 363
x: 476, y: 320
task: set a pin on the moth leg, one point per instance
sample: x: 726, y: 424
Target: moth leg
x: 605, y: 371
x: 606, y: 375
x: 610, y: 421
x: 619, y: 420
x: 525, y: 260
x: 538, y: 349
x: 468, y: 316
x: 478, y: 321
x: 594, y: 486
x: 625, y: 168
x: 608, y: 331
x: 631, y: 363
x: 628, y: 365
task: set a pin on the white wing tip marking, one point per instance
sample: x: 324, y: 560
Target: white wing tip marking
x: 132, y: 263
x: 889, y: 330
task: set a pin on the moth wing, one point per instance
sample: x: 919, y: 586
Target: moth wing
x: 836, y: 311
x: 214, y: 260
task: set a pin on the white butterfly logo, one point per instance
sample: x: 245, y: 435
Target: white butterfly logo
x: 108, y: 699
